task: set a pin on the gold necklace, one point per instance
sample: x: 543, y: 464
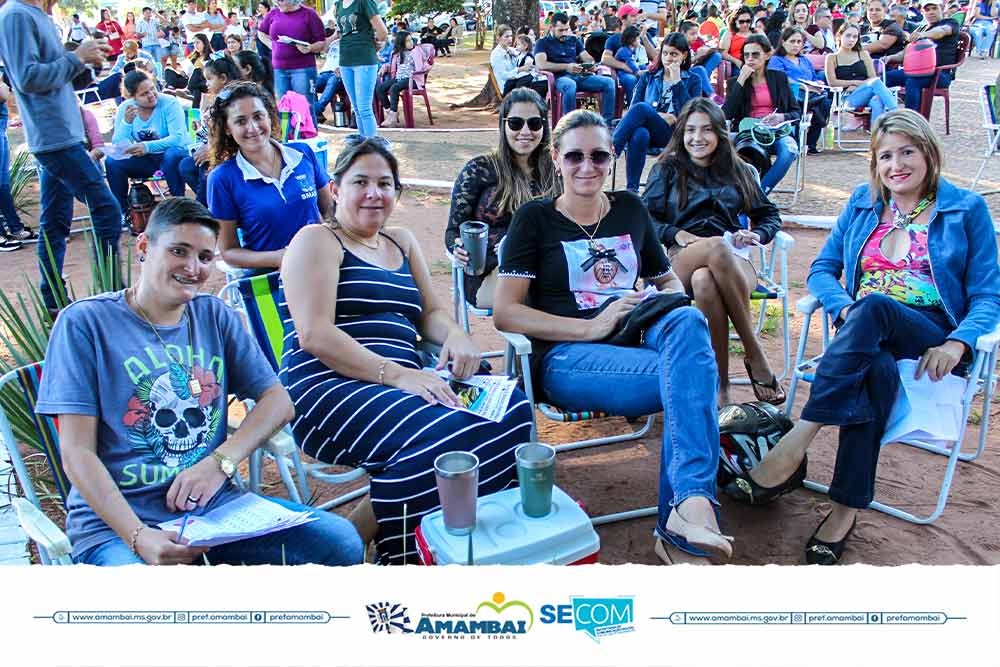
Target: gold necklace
x: 193, y: 385
x: 600, y: 218
x: 355, y: 238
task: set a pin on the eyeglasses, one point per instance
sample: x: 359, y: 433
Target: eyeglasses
x: 743, y: 21
x: 515, y: 123
x: 600, y: 159
x: 752, y: 54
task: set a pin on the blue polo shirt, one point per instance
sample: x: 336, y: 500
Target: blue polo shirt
x: 564, y: 52
x: 268, y: 212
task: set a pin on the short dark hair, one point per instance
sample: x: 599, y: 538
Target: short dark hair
x: 147, y: 8
x: 133, y: 79
x: 630, y: 34
x: 354, y: 151
x: 176, y: 211
x: 560, y: 17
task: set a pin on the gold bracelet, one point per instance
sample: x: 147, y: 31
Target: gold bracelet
x: 135, y: 537
x: 381, y: 371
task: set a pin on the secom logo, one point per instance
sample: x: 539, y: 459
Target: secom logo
x: 597, y: 617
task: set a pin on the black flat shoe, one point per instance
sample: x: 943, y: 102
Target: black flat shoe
x: 743, y: 489
x: 819, y: 552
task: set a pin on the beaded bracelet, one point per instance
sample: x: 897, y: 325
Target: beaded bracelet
x: 135, y: 537
x: 381, y: 371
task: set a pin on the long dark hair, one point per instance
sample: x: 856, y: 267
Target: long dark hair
x: 514, y: 186
x: 261, y: 71
x: 222, y: 146
x: 223, y: 66
x: 679, y: 42
x: 733, y: 28
x: 726, y: 164
x: 788, y: 32
x: 399, y: 45
x: 199, y: 59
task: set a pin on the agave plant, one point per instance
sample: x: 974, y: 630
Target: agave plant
x: 22, y: 171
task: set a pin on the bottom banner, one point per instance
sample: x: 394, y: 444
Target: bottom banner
x: 544, y: 615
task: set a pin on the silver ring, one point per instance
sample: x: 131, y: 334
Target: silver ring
x: 192, y: 499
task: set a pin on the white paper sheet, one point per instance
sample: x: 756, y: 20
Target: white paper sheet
x: 248, y: 516
x: 925, y: 410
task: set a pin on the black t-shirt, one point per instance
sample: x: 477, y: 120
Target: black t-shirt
x: 571, y: 276
x: 947, y: 47
x: 871, y: 34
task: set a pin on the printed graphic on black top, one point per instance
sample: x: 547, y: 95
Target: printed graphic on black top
x: 599, y: 269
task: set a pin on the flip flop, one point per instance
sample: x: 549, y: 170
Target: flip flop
x: 773, y: 387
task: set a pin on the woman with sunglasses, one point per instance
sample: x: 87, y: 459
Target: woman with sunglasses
x: 659, y: 96
x: 151, y: 446
x: 258, y: 186
x: 577, y: 260
x: 357, y: 292
x: 697, y: 193
x: 790, y: 60
x: 731, y: 44
x: 762, y: 93
x: 491, y: 187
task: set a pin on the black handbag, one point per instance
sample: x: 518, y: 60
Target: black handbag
x: 631, y: 330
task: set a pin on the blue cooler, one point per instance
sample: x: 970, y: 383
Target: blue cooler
x: 320, y: 148
x: 504, y: 535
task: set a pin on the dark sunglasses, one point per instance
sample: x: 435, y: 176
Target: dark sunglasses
x: 576, y: 158
x: 742, y: 21
x: 515, y: 123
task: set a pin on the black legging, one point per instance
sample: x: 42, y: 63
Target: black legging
x: 388, y: 92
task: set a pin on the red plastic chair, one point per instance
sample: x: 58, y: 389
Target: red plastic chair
x: 556, y: 97
x: 406, y: 96
x: 932, y: 91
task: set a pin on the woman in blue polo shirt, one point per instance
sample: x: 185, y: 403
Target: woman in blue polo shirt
x: 259, y: 187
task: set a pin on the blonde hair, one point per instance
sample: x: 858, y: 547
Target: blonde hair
x: 916, y: 128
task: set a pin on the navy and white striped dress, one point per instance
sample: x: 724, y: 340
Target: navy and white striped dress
x: 393, y: 434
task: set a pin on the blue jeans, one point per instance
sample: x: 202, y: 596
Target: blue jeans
x: 856, y: 383
x: 119, y: 171
x: 330, y: 540
x: 62, y: 175
x: 327, y: 82
x: 785, y: 152
x: 641, y: 129
x: 569, y: 84
x: 874, y: 95
x: 983, y: 32
x: 196, y: 178
x: 11, y: 222
x: 302, y: 81
x: 627, y: 81
x: 914, y: 85
x: 673, y: 372
x: 704, y: 72
x: 359, y: 81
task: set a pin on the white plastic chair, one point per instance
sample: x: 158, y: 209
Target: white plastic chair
x: 982, y: 378
x: 799, y: 175
x: 989, y: 99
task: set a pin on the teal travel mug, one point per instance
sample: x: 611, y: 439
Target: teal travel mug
x: 536, y: 473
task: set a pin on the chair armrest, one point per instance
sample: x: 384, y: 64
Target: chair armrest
x: 279, y: 444
x: 429, y: 348
x: 988, y: 342
x: 40, y: 528
x: 520, y: 343
x: 783, y: 241
x: 807, y: 304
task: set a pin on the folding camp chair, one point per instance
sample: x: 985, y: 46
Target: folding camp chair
x: 256, y: 298
x: 291, y: 123
x: 463, y: 307
x: 982, y: 378
x: 799, y: 175
x: 989, y: 99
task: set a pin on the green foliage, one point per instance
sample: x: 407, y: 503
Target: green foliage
x: 421, y: 7
x: 22, y: 172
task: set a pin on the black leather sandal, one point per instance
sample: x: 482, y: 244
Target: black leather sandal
x: 743, y: 489
x: 819, y: 552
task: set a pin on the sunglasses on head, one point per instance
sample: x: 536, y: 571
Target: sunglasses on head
x: 515, y: 123
x: 576, y: 158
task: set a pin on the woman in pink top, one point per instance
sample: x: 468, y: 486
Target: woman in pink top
x: 295, y: 62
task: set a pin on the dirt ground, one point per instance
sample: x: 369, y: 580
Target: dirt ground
x: 619, y: 477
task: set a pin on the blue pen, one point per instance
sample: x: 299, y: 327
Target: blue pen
x: 183, y: 524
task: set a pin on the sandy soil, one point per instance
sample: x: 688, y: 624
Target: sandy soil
x: 618, y: 477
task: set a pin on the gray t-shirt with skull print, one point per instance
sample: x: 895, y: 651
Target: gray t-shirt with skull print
x: 104, y: 361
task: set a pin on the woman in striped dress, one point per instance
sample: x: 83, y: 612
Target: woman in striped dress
x: 356, y: 294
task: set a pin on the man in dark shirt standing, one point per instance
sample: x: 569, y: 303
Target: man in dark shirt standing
x: 881, y: 37
x: 563, y: 54
x: 945, y: 33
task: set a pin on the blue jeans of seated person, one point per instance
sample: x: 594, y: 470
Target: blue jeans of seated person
x: 569, y: 84
x: 301, y: 80
x: 914, y: 85
x: 330, y: 540
x: 359, y: 82
x: 326, y: 87
x: 640, y: 129
x: 62, y: 175
x: 875, y: 96
x: 119, y: 171
x: 704, y: 72
x: 856, y: 383
x: 673, y: 372
x: 196, y: 178
x: 785, y: 152
x: 983, y: 33
x: 627, y: 81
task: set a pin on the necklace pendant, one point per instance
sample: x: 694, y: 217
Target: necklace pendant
x: 194, y: 387
x: 592, y: 245
x: 900, y: 220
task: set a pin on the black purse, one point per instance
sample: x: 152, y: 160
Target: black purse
x: 631, y: 330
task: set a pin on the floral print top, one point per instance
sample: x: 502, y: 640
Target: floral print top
x: 908, y: 280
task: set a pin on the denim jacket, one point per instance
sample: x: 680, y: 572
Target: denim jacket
x: 962, y: 250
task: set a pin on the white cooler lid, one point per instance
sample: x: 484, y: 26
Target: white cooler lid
x: 505, y: 536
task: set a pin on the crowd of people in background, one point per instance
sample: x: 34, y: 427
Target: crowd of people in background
x: 199, y: 96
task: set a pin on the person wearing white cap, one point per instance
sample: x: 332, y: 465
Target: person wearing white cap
x: 942, y: 31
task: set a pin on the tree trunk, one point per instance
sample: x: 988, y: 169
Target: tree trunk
x: 516, y: 13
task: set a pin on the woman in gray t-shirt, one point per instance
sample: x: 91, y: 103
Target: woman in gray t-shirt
x: 139, y: 380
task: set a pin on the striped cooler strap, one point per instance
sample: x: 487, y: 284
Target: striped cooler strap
x: 29, y: 377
